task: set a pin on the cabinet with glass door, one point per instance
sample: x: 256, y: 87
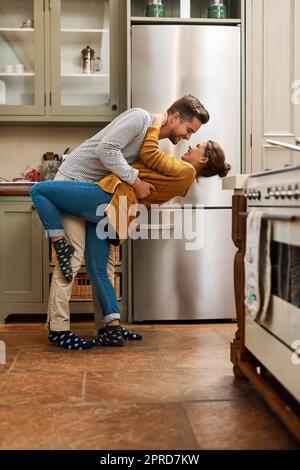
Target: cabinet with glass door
x: 60, y: 60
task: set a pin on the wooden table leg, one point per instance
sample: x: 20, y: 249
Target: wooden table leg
x: 238, y: 350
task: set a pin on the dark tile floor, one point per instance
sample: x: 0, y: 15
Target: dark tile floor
x: 172, y: 390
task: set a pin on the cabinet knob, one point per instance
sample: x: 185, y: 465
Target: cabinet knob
x: 114, y: 107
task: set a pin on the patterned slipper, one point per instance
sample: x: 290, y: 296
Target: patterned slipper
x: 127, y: 334
x: 131, y: 335
x: 67, y: 339
x: 64, y: 252
x: 110, y: 336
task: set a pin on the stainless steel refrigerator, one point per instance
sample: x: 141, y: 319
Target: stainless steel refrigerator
x: 168, y: 61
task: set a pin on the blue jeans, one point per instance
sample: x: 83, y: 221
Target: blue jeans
x: 80, y: 199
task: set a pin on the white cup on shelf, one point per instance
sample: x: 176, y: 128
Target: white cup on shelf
x: 19, y: 68
x: 9, y: 68
x: 29, y: 23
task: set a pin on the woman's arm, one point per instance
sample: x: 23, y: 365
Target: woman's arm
x: 154, y: 159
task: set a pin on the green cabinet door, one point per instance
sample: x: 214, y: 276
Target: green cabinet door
x: 22, y: 58
x: 86, y: 84
x: 21, y: 253
x: 43, y: 74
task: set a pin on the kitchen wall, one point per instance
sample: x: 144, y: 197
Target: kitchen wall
x: 22, y: 146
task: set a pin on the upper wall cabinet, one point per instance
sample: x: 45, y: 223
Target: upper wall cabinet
x: 182, y: 10
x: 273, y: 86
x: 21, y: 57
x: 60, y: 60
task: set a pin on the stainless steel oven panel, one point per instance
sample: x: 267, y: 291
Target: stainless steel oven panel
x: 283, y: 320
x: 274, y: 355
x: 286, y: 232
x: 279, y: 188
x: 274, y: 177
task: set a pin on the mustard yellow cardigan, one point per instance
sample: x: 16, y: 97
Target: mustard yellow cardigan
x: 171, y: 177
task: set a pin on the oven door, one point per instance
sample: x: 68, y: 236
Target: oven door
x: 275, y: 339
x: 283, y: 314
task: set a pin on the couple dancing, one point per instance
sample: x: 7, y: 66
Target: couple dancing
x: 123, y: 159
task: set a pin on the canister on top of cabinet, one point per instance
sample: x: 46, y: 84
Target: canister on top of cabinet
x: 155, y: 8
x: 217, y: 9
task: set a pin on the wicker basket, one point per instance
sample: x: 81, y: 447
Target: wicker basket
x: 82, y: 288
x: 118, y: 285
x: 118, y: 255
x: 53, y: 257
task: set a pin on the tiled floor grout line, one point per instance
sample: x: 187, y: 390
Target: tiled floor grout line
x: 12, y: 365
x: 83, y: 385
x: 189, y: 423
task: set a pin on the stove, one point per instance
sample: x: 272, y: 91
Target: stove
x: 275, y: 337
x: 274, y: 188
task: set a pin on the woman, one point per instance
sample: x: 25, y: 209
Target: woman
x: 168, y: 176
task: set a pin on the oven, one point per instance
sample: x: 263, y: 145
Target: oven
x: 274, y: 338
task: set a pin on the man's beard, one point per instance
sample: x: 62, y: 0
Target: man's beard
x: 174, y: 139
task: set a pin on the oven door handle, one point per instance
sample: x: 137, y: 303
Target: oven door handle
x: 279, y: 217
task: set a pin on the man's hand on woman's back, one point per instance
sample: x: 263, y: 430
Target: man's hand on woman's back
x: 142, y: 188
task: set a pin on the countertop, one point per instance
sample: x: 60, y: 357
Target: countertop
x: 235, y: 181
x: 15, y: 189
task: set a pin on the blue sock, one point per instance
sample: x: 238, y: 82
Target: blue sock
x: 127, y: 334
x: 64, y: 252
x: 67, y: 339
x: 110, y: 336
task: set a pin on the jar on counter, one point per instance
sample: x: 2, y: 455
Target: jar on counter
x: 217, y: 9
x: 155, y: 8
x: 51, y: 163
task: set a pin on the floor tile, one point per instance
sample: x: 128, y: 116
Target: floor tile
x: 180, y: 338
x: 22, y: 327
x: 10, y: 357
x: 237, y: 425
x: 202, y: 357
x: 164, y: 385
x: 97, y: 358
x: 37, y: 389
x: 134, y: 426
x: 17, y: 340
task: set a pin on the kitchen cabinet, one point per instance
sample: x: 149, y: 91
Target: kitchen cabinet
x: 41, y: 71
x: 21, y: 254
x: 272, y: 82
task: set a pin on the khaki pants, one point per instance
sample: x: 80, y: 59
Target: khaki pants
x: 60, y: 291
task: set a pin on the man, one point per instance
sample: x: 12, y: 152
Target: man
x: 112, y: 150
